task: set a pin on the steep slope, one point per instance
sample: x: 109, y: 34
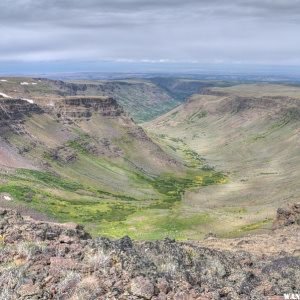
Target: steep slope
x: 251, y: 132
x: 12, y: 114
x: 83, y: 159
x: 142, y: 99
x: 182, y: 88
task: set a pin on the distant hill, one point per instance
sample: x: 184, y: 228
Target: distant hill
x: 141, y: 99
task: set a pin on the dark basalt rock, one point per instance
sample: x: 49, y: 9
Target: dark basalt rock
x: 63, y: 154
x: 287, y: 215
x: 13, y: 112
x: 80, y: 108
x: 17, y: 109
x: 52, y: 261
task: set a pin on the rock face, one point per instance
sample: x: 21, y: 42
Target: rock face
x: 14, y: 228
x: 41, y: 260
x: 69, y: 109
x: 143, y: 100
x: 80, y: 108
x: 14, y: 111
x: 63, y: 154
x: 287, y: 216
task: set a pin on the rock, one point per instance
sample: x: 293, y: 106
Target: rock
x: 160, y: 296
x: 288, y: 215
x: 142, y: 287
x: 163, y: 285
x: 78, y: 108
x: 182, y: 296
x: 14, y: 111
x: 61, y: 261
x: 210, y: 235
x: 27, y: 290
x: 63, y: 154
x: 125, y: 243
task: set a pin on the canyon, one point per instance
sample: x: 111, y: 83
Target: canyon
x: 197, y: 199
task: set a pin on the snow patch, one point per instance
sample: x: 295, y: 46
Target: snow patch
x: 4, y: 95
x: 28, y: 100
x: 28, y: 83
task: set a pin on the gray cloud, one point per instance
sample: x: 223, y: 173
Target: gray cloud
x: 204, y: 31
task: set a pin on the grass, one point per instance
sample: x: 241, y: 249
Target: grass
x: 18, y: 192
x: 248, y: 228
x: 191, y: 158
x: 49, y: 179
x: 109, y: 196
x: 156, y: 224
x: 107, y: 213
x: 255, y: 226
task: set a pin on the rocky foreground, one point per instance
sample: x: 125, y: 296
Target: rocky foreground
x: 41, y: 260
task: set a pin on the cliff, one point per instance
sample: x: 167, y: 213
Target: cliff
x: 13, y: 113
x: 71, y: 109
x: 141, y: 99
x: 17, y: 109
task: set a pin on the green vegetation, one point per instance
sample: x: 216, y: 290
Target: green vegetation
x: 49, y: 179
x: 248, y: 228
x: 173, y: 188
x: 108, y: 213
x: 106, y: 174
x: 255, y: 226
x: 18, y: 192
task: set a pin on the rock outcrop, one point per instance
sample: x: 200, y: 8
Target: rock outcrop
x: 72, y: 109
x: 287, y: 215
x: 40, y: 260
x: 16, y: 109
x: 13, y: 112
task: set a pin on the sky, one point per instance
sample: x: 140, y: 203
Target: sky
x: 83, y: 35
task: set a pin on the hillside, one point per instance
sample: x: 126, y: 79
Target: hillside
x: 216, y: 166
x: 182, y: 88
x: 141, y: 99
x: 221, y: 162
x: 251, y: 132
x: 83, y: 159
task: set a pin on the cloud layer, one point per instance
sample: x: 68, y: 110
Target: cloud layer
x: 199, y: 31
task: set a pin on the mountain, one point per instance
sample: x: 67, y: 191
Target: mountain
x: 141, y: 99
x: 82, y: 159
x: 250, y: 132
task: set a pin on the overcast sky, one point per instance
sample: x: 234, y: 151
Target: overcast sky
x: 151, y: 31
